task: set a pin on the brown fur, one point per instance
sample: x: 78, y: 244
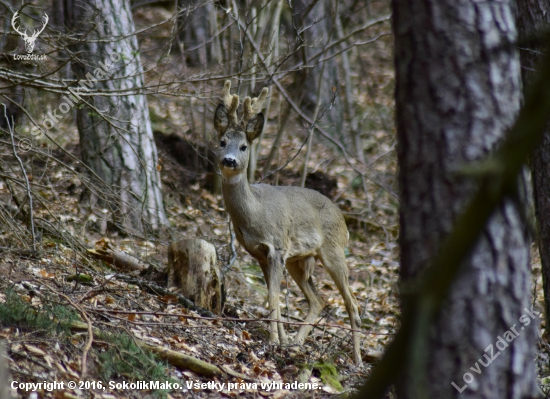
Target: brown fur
x: 282, y: 226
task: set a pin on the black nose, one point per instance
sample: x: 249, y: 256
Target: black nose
x: 229, y: 162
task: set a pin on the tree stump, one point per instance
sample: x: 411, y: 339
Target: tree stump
x: 193, y: 269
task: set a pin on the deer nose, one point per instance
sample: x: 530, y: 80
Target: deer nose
x: 229, y: 162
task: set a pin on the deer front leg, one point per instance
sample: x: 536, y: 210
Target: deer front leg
x: 301, y: 271
x: 273, y: 273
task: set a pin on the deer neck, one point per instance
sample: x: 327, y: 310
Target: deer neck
x: 239, y: 199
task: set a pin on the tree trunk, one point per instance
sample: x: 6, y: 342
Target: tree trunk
x: 316, y: 17
x: 5, y: 377
x: 457, y: 92
x: 195, y: 29
x: 534, y: 17
x: 12, y: 96
x: 116, y: 139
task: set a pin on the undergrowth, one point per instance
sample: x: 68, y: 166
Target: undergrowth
x: 50, y: 318
x: 123, y: 358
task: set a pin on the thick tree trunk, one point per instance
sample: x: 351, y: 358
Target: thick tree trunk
x: 534, y: 17
x: 116, y: 139
x: 457, y: 92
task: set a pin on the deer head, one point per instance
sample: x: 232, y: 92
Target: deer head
x: 29, y: 40
x: 235, y: 136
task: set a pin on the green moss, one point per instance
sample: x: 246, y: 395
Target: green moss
x: 329, y: 375
x: 81, y: 278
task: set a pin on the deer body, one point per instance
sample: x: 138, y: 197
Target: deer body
x: 281, y: 226
x: 297, y: 234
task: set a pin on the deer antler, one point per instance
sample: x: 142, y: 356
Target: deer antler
x: 231, y: 102
x: 29, y: 40
x: 13, y: 21
x: 24, y: 33
x: 46, y: 19
x: 253, y: 106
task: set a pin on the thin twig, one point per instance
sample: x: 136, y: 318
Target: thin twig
x: 29, y: 194
x: 231, y: 247
x: 234, y: 319
x: 312, y: 127
x: 89, y: 342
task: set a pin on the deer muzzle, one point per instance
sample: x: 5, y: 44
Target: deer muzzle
x: 229, y: 162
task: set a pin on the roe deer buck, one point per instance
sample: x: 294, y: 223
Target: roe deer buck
x: 281, y: 226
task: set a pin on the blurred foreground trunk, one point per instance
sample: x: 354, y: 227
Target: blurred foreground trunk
x: 458, y: 90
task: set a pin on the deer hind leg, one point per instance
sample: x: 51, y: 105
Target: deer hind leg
x: 273, y: 273
x: 301, y: 271
x: 334, y: 261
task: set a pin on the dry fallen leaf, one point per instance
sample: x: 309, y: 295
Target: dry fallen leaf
x: 45, y: 274
x: 169, y: 298
x: 35, y: 350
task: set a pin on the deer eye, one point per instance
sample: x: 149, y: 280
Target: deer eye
x: 223, y: 143
x: 243, y: 147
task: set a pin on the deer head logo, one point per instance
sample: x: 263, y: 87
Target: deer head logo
x: 29, y: 40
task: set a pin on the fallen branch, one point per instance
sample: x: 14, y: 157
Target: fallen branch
x: 119, y: 259
x: 89, y: 329
x: 170, y: 356
x: 233, y: 373
x: 182, y: 361
x: 158, y: 290
x: 226, y: 319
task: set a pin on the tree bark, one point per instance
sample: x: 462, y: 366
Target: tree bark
x: 116, y: 139
x: 457, y: 92
x: 14, y: 96
x: 5, y: 377
x: 533, y: 17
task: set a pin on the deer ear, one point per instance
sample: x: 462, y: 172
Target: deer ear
x: 221, y: 119
x: 254, y: 127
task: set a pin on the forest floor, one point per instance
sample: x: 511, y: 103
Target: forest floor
x: 52, y: 296
x: 49, y: 293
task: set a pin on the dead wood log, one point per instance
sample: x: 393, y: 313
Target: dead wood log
x: 182, y: 361
x: 119, y: 259
x: 193, y: 269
